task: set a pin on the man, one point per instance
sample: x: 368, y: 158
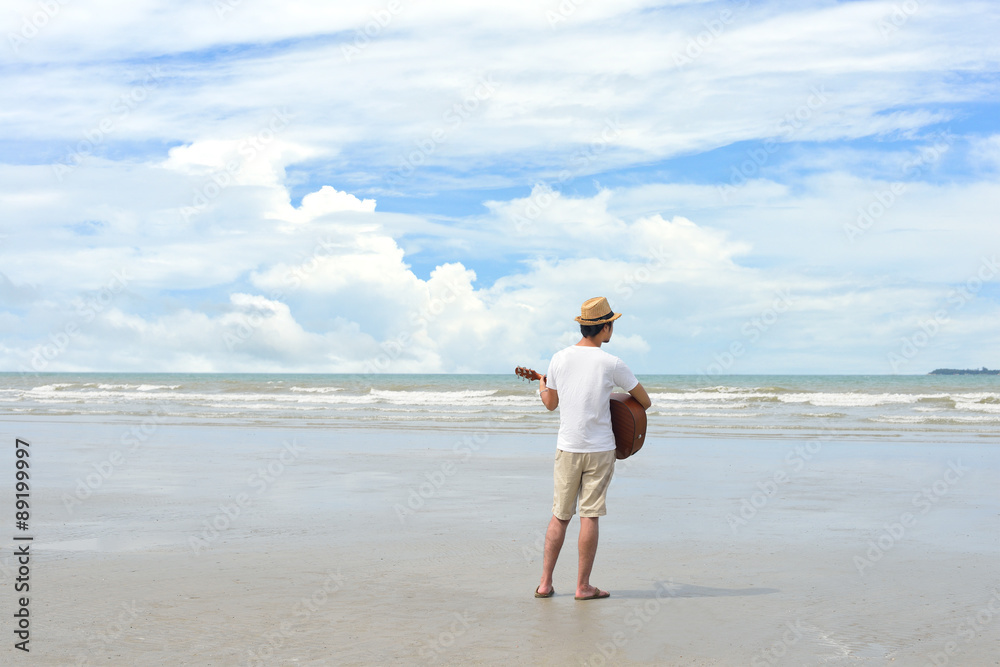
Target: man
x: 579, y: 381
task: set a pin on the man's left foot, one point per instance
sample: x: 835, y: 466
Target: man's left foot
x: 544, y: 595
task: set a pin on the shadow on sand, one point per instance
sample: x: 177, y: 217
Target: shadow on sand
x: 663, y: 589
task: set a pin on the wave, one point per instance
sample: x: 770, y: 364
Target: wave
x: 39, y: 394
x: 484, y: 397
x: 821, y: 415
x: 710, y: 415
x: 55, y: 387
x: 137, y: 387
x: 889, y: 407
x: 724, y: 389
x: 679, y: 405
x: 712, y: 396
x: 720, y: 398
x: 944, y: 421
x: 979, y: 406
x: 851, y: 399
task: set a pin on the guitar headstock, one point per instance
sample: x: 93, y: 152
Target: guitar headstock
x: 526, y: 373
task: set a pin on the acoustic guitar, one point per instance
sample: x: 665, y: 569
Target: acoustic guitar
x: 628, y: 418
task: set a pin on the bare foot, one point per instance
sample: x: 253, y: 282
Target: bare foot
x: 591, y: 593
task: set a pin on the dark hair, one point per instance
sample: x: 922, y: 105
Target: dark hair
x: 591, y: 330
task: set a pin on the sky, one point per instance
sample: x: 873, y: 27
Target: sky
x: 436, y: 187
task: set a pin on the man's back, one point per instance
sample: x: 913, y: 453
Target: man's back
x: 585, y: 376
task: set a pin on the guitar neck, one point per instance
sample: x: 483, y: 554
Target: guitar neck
x: 527, y: 373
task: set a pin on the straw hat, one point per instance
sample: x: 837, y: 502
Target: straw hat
x: 597, y: 311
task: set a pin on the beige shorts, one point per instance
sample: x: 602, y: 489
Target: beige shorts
x: 585, y: 476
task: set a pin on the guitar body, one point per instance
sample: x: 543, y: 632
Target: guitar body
x: 628, y: 422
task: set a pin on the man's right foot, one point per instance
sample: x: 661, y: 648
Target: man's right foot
x: 595, y: 594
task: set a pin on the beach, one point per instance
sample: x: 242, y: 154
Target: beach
x: 172, y: 539
x: 274, y: 276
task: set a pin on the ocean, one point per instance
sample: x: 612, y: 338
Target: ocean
x: 876, y: 406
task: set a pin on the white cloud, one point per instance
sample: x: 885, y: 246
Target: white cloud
x: 329, y: 200
x: 334, y: 292
x: 987, y: 151
x: 556, y: 87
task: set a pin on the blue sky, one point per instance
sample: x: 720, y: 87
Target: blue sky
x: 244, y: 185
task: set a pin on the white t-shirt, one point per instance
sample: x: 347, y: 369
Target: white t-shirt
x: 584, y: 378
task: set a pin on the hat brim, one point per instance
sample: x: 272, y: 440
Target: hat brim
x: 614, y: 316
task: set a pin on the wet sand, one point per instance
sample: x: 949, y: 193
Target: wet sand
x: 216, y: 545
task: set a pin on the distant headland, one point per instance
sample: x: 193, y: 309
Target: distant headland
x: 956, y: 371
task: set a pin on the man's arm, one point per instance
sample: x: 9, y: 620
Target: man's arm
x: 550, y: 397
x: 639, y: 393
